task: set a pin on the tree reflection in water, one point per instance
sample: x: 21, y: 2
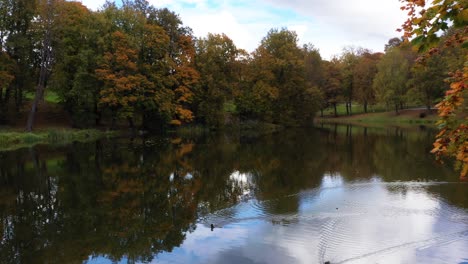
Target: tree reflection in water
x: 135, y: 199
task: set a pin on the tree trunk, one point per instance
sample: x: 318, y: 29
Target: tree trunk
x: 350, y: 108
x: 113, y: 122
x: 396, y: 109
x: 347, y: 109
x: 18, y: 98
x: 365, y: 107
x: 6, y: 100
x: 130, y: 123
x: 97, y: 115
x: 334, y: 107
x: 45, y: 63
x: 37, y: 96
x: 321, y: 112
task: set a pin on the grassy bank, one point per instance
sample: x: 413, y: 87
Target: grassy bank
x: 10, y: 140
x: 407, y: 117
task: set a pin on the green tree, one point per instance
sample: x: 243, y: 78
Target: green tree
x: 216, y: 61
x: 157, y: 97
x: 7, y: 71
x: 19, y: 38
x: 76, y: 57
x: 349, y: 59
x: 280, y: 76
x: 391, y: 80
x: 427, y: 84
x: 46, y: 20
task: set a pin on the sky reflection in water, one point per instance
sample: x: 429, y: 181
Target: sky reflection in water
x: 338, y: 194
x: 365, y: 222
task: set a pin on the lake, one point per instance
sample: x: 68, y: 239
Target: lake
x: 336, y: 194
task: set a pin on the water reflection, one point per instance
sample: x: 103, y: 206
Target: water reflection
x: 375, y: 222
x: 338, y: 194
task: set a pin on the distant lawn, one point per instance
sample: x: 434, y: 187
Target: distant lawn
x: 230, y: 107
x: 49, y: 96
x: 405, y: 117
x: 355, y: 109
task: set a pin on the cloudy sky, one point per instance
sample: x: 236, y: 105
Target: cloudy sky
x: 329, y: 25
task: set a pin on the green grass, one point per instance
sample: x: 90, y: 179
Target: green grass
x: 383, y: 119
x: 230, y: 107
x: 10, y: 140
x: 355, y: 109
x: 49, y: 96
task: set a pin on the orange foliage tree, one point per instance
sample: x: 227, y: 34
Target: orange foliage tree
x: 424, y: 22
x: 185, y: 77
x: 122, y: 82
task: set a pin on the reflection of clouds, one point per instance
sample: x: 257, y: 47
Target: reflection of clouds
x: 331, y: 181
x: 241, y: 178
x: 203, y: 246
x: 243, y: 181
x: 366, y: 222
x: 171, y: 177
x: 188, y: 177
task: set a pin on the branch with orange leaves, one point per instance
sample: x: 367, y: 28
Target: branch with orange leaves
x: 424, y: 23
x: 453, y: 137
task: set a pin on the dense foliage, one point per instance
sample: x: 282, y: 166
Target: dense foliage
x: 134, y: 65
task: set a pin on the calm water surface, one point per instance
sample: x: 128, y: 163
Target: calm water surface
x: 337, y: 193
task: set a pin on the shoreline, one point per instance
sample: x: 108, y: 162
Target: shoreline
x: 13, y: 139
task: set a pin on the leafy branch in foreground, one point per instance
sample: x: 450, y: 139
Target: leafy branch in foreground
x: 424, y: 23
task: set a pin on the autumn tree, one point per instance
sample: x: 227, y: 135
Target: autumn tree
x: 279, y: 88
x: 314, y: 70
x: 363, y: 76
x: 122, y: 83
x: 331, y: 87
x: 182, y: 76
x: 424, y: 24
x: 161, y: 58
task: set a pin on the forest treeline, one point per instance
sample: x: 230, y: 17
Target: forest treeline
x: 139, y: 65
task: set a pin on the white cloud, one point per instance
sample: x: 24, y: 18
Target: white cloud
x: 366, y: 23
x: 93, y: 4
x: 329, y: 25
